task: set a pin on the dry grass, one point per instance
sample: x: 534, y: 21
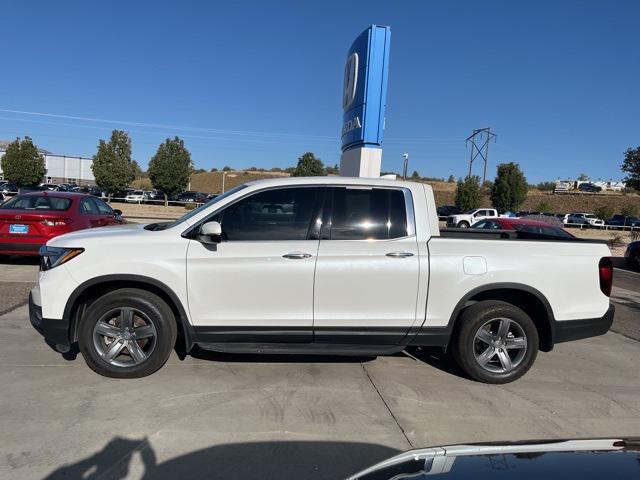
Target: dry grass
x: 211, y: 182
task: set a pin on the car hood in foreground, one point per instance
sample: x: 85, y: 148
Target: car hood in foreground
x: 548, y: 460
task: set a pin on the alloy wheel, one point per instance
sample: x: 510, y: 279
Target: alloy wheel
x: 500, y: 345
x: 124, y: 337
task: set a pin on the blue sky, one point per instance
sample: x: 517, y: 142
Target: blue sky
x: 259, y: 83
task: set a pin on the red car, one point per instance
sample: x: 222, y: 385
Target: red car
x: 28, y: 221
x: 522, y: 225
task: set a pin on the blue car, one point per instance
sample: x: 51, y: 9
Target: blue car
x: 623, y: 221
x: 632, y: 255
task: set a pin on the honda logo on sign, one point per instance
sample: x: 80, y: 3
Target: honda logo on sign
x: 350, y: 81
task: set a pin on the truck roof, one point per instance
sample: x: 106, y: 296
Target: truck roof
x: 335, y: 180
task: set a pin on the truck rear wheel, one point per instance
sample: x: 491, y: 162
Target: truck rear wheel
x: 496, y: 342
x: 127, y: 333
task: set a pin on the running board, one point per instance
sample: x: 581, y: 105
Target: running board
x: 303, y: 348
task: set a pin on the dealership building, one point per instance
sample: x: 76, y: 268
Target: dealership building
x: 61, y: 168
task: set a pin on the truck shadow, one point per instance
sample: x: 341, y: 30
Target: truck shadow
x: 255, y: 460
x: 436, y: 358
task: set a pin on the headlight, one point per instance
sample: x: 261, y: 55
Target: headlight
x: 51, y: 257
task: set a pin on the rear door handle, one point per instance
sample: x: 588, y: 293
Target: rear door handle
x: 399, y: 254
x: 296, y: 255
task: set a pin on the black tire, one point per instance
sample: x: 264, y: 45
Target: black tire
x: 463, y: 224
x: 149, y: 313
x: 470, y: 346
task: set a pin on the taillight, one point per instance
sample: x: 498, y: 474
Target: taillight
x: 605, y: 268
x: 55, y: 222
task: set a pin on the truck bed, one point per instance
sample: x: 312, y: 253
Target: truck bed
x: 478, y: 234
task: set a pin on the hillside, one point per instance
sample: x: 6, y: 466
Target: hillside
x: 211, y: 182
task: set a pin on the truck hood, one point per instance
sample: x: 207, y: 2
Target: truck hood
x: 110, y: 234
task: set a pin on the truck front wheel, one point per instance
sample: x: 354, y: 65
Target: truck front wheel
x: 495, y: 342
x: 463, y: 224
x: 127, y: 333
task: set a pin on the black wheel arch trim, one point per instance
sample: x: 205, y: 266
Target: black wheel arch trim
x: 182, y: 319
x: 441, y: 336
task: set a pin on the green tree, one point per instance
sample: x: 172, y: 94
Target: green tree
x: 451, y: 179
x: 628, y: 210
x: 631, y: 166
x: 603, y: 211
x: 112, y: 166
x: 415, y: 175
x: 309, y: 166
x: 546, y: 186
x: 22, y: 164
x: 583, y: 177
x: 135, y: 168
x: 171, y: 167
x: 226, y: 168
x: 468, y: 193
x: 509, y: 189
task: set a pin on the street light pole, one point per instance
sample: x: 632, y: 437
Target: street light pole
x: 406, y: 165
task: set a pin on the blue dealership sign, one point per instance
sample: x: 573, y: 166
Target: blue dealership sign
x: 364, y: 96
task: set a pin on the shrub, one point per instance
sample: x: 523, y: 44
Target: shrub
x: 543, y: 206
x: 603, y: 211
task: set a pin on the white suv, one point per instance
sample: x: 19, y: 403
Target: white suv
x: 584, y: 219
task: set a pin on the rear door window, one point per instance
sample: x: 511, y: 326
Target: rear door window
x: 368, y: 214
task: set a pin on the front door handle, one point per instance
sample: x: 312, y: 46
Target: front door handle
x: 399, y: 254
x: 296, y: 255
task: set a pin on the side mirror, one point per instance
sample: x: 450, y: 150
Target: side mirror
x: 210, y: 232
x: 117, y: 213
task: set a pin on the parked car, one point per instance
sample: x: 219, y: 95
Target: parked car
x: 28, y: 221
x: 314, y: 265
x: 584, y: 219
x: 522, y: 225
x: 121, y: 195
x: 9, y: 188
x: 190, y: 196
x: 136, y: 196
x: 91, y: 190
x: 623, y: 221
x: 549, y: 459
x: 465, y: 220
x: 444, y: 211
x: 211, y: 196
x: 589, y: 187
x: 632, y: 255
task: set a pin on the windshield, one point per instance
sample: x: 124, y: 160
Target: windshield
x: 33, y: 202
x: 163, y: 226
x: 470, y: 212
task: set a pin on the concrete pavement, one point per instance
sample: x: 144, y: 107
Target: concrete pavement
x: 225, y: 416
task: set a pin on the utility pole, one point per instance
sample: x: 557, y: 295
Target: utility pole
x: 480, y: 139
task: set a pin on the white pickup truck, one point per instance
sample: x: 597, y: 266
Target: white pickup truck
x: 324, y: 265
x: 466, y: 219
